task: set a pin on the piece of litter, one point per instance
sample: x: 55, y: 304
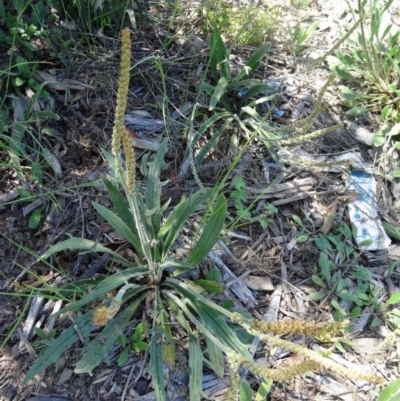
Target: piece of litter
x: 363, y: 213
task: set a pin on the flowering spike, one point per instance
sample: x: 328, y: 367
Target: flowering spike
x: 123, y: 84
x: 103, y: 314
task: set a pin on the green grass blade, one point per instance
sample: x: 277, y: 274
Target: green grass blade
x: 195, y: 368
x: 119, y: 226
x: 98, y: 348
x: 210, y: 234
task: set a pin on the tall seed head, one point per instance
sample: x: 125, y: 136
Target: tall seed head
x: 123, y: 85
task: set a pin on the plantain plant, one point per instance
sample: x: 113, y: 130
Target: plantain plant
x: 156, y: 283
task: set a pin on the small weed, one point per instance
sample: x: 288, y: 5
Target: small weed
x: 243, y: 212
x: 249, y: 26
x: 370, y: 66
x: 45, y: 339
x: 239, y: 196
x: 337, y: 256
x: 135, y: 342
x: 301, y: 4
x: 298, y: 35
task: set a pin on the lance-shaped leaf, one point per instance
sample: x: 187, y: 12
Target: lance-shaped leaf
x: 153, y: 187
x: 259, y: 89
x: 120, y: 204
x: 119, y: 226
x: 253, y: 62
x: 211, y: 314
x: 61, y: 344
x: 195, y: 368
x: 219, y: 91
x: 98, y: 348
x: 206, y: 125
x: 84, y: 245
x: 171, y: 228
x: 212, y: 142
x: 216, y: 357
x: 157, y: 362
x: 107, y: 285
x: 210, y: 234
x: 219, y: 56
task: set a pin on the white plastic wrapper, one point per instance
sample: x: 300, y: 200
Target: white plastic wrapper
x: 363, y: 213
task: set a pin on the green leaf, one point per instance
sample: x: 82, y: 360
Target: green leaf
x: 391, y: 230
x: 172, y: 227
x: 211, y: 233
x: 214, y: 275
x: 263, y: 390
x: 41, y: 333
x: 298, y: 220
x: 44, y: 115
x: 83, y: 244
x: 34, y: 220
x: 33, y: 100
x: 153, y: 187
x: 394, y: 299
x: 391, y: 392
x: 216, y: 358
x: 259, y: 89
x: 209, y: 123
x: 219, y: 91
x: 18, y: 81
x: 228, y: 304
x: 157, y: 363
x: 325, y: 266
x: 141, y: 328
x: 302, y: 238
x: 23, y: 67
x: 169, y: 345
x: 357, y: 111
x: 209, y: 286
x: 245, y: 392
x: 317, y: 280
x: 106, y: 285
x: 211, y: 314
x: 119, y: 226
x: 120, y: 204
x: 212, y: 141
x: 123, y: 357
x: 61, y: 344
x: 316, y: 296
x: 219, y: 56
x: 195, y: 368
x: 99, y: 347
x: 140, y: 346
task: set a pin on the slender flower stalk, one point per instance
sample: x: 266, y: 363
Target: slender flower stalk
x: 119, y: 131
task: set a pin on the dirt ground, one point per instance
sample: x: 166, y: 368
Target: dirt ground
x: 271, y: 255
